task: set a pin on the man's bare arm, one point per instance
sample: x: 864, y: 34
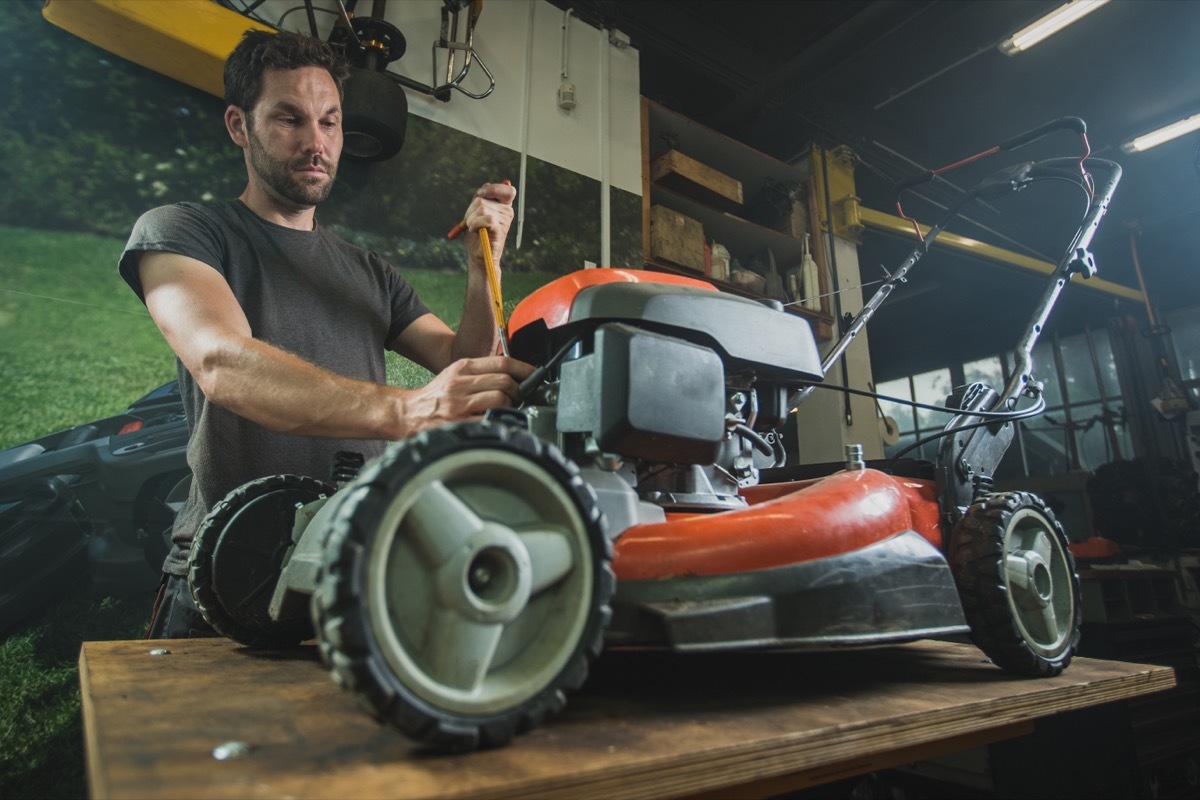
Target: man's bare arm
x: 203, y: 323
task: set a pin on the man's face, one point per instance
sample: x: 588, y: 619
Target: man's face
x: 295, y: 135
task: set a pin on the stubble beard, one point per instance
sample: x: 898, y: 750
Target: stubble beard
x: 280, y: 176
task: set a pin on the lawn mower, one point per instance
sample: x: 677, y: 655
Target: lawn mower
x: 91, y: 503
x: 461, y: 583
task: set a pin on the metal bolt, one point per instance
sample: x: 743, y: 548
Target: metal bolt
x: 481, y: 577
x: 854, y: 457
x: 225, y: 752
x: 160, y: 651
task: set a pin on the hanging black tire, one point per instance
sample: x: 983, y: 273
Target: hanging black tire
x: 237, y: 558
x: 1017, y: 582
x: 465, y: 586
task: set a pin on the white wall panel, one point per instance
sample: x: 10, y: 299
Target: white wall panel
x: 516, y: 37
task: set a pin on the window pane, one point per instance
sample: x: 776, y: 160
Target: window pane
x: 903, y: 442
x: 903, y: 414
x: 1185, y: 335
x: 1045, y: 371
x: 985, y: 370
x: 1078, y: 371
x: 1108, y: 366
x: 1096, y: 442
x: 1086, y: 420
x: 1045, y: 447
x: 926, y: 451
x: 932, y: 388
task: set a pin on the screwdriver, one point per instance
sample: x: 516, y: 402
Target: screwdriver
x: 493, y: 277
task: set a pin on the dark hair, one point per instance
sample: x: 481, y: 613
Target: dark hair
x: 261, y: 50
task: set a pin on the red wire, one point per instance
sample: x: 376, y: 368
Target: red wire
x: 947, y: 168
x: 1088, y: 181
x: 916, y: 226
x: 967, y: 160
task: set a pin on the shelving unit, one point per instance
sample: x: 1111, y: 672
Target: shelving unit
x: 664, y: 130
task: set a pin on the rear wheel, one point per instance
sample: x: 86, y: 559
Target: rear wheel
x: 466, y: 585
x: 238, y: 555
x: 1017, y: 582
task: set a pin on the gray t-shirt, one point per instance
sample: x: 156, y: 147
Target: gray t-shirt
x: 306, y: 292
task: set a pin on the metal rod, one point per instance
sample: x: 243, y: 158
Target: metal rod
x: 1023, y: 353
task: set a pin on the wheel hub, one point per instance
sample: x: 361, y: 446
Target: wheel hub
x: 1037, y: 588
x: 490, y: 578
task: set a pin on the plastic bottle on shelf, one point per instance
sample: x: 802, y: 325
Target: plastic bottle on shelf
x: 720, y: 262
x: 810, y: 281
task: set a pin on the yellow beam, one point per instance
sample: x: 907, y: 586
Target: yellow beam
x: 187, y: 40
x: 889, y: 223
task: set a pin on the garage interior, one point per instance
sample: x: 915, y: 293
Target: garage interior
x: 911, y: 86
x: 893, y: 89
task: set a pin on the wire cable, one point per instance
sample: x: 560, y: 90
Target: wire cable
x: 990, y: 415
x: 1037, y: 408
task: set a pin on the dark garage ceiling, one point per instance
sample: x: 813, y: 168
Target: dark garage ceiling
x: 913, y: 85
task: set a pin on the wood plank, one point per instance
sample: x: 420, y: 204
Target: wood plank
x: 645, y: 724
x: 708, y: 185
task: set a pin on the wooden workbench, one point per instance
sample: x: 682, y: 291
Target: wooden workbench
x: 645, y: 725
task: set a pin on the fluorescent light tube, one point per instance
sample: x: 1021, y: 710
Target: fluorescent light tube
x: 1048, y: 25
x: 1163, y: 134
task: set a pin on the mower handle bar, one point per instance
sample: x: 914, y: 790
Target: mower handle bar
x: 1076, y: 259
x: 1020, y: 140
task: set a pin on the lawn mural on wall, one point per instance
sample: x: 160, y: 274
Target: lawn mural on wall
x: 92, y: 141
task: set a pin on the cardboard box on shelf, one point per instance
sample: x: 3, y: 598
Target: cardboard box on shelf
x: 676, y: 238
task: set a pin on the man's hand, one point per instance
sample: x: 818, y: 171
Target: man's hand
x: 491, y: 208
x: 465, y: 390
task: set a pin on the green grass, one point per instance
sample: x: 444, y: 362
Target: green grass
x: 76, y: 345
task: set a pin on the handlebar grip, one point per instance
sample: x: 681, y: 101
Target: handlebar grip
x: 1062, y: 123
x: 913, y: 181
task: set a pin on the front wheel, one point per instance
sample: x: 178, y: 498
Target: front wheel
x: 465, y: 585
x: 1017, y: 582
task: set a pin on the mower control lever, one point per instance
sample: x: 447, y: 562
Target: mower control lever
x: 927, y: 175
x: 998, y: 184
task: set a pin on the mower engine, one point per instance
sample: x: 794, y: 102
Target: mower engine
x: 663, y: 381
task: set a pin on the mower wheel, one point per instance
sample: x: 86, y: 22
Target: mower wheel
x: 1017, y: 582
x: 465, y: 585
x: 238, y: 556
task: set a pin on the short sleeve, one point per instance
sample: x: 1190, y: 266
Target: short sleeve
x: 407, y: 307
x: 188, y: 229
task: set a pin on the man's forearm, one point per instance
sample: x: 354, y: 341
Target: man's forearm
x: 288, y: 394
x: 476, y: 335
x: 285, y: 393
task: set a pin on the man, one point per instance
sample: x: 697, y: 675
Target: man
x: 279, y: 326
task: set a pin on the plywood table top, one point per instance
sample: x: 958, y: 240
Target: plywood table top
x: 645, y: 724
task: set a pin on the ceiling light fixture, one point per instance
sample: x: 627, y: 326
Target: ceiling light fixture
x: 1048, y: 25
x: 1164, y: 134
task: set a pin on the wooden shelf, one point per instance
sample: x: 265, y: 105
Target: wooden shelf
x: 747, y: 240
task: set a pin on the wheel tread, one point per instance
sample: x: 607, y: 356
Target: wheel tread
x: 204, y: 551
x: 976, y: 554
x: 340, y: 623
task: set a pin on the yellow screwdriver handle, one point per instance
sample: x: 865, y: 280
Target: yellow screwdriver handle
x: 493, y: 277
